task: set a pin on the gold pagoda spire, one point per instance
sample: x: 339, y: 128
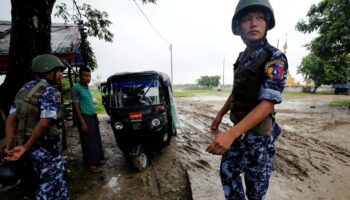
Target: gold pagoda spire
x: 285, y: 46
x: 290, y: 80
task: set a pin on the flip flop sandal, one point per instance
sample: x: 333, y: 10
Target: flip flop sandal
x: 95, y: 169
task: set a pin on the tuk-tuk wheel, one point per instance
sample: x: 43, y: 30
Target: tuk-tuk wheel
x: 141, y: 161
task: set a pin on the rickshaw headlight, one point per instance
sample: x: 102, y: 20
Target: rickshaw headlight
x: 155, y: 122
x: 118, y: 126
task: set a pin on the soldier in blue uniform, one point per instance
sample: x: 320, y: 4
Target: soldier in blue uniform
x: 31, y: 127
x: 259, y: 79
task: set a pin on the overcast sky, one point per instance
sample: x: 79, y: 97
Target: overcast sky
x: 200, y: 31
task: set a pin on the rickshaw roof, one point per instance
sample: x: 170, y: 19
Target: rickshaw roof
x: 164, y: 78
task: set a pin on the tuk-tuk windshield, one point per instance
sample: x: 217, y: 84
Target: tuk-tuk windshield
x: 130, y: 93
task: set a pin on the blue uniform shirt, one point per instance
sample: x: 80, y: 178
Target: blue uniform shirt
x: 275, y: 71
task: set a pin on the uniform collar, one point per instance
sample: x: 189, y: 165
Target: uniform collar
x: 258, y: 47
x: 256, y: 44
x: 43, y: 80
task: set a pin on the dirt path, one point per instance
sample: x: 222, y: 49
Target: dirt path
x: 313, y: 155
x: 312, y: 159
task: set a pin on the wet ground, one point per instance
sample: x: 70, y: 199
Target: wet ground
x: 312, y: 159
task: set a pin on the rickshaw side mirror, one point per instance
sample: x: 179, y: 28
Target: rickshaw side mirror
x: 104, y: 90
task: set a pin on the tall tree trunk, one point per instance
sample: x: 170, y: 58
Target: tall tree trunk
x: 315, y: 87
x: 30, y: 36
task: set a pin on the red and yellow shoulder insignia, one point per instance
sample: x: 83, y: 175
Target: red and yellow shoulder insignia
x: 58, y: 97
x: 275, y: 69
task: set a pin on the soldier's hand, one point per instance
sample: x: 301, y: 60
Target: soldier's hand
x: 214, y: 127
x: 15, y: 153
x: 221, y: 144
x: 8, y: 148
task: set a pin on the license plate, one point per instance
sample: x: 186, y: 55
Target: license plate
x: 137, y: 126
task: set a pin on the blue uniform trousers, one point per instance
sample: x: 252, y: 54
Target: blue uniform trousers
x: 50, y: 171
x: 252, y: 155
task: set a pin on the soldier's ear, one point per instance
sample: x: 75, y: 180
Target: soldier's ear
x: 239, y: 31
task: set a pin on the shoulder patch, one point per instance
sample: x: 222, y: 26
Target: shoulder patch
x: 275, y: 69
x: 58, y: 97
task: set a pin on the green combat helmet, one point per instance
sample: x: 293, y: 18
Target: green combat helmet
x: 45, y: 63
x: 243, y: 5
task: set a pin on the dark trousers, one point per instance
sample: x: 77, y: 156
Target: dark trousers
x: 91, y: 144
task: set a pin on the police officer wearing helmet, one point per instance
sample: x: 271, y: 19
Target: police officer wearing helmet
x: 31, y: 127
x: 259, y: 79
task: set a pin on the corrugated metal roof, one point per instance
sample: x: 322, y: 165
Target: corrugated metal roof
x: 65, y: 38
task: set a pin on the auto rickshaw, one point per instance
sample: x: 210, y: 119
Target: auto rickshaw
x: 142, y: 113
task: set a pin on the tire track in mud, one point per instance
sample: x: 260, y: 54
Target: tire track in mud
x: 302, y: 161
x: 300, y: 154
x: 195, y: 136
x: 202, y: 167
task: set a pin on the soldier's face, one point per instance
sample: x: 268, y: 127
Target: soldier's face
x: 58, y: 75
x: 54, y: 76
x: 253, y: 25
x: 85, y: 77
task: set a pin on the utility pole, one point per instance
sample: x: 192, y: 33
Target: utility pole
x: 161, y: 37
x: 171, y: 62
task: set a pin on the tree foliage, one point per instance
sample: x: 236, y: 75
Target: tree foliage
x: 92, y: 22
x: 208, y: 81
x: 322, y: 72
x: 331, y: 19
x: 329, y: 59
x: 95, y: 21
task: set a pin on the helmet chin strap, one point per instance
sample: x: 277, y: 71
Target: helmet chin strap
x: 255, y: 44
x: 53, y: 80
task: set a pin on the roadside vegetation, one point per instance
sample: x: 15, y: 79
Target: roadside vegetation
x: 100, y: 109
x: 303, y: 94
x: 189, y: 92
x: 340, y: 103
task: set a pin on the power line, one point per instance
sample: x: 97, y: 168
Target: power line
x: 75, y: 3
x: 168, y: 43
x: 154, y: 28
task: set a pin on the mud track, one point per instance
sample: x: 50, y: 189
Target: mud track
x: 312, y: 159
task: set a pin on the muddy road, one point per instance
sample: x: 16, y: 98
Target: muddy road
x: 313, y: 153
x: 312, y: 159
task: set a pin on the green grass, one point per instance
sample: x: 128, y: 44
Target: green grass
x: 296, y: 94
x: 100, y: 109
x: 188, y: 92
x: 304, y: 94
x: 343, y: 102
